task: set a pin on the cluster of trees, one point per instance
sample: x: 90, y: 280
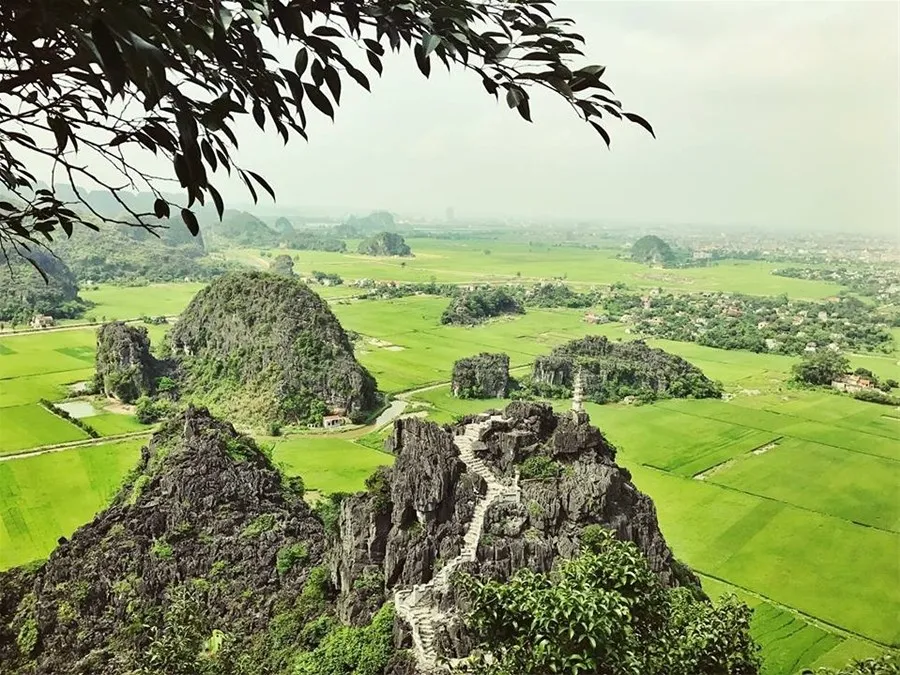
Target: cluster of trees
x: 605, y: 611
x: 473, y: 306
x: 612, y: 371
x: 327, y: 278
x: 733, y: 321
x: 821, y: 368
x: 37, y: 284
x: 384, y: 244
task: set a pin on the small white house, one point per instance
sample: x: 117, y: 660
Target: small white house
x: 333, y: 421
x: 42, y: 321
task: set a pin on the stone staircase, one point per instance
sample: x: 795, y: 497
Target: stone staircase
x: 418, y: 606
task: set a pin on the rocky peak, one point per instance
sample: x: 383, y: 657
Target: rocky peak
x: 514, y: 488
x: 204, y: 512
x: 125, y: 368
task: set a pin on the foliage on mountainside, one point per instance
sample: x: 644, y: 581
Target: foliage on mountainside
x: 263, y: 348
x: 652, y: 250
x: 122, y: 254
x: 24, y: 292
x: 606, y: 612
x: 484, y: 375
x: 612, y: 371
x: 384, y: 244
x: 469, y: 307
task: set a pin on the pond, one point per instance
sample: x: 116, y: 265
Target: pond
x: 79, y: 409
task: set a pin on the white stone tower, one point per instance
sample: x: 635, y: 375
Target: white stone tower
x: 578, y: 396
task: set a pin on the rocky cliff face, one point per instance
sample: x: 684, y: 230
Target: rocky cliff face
x: 206, y: 535
x: 482, y: 376
x: 258, y: 347
x: 419, y: 516
x: 125, y: 367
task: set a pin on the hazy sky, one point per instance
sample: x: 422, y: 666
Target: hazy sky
x: 783, y: 113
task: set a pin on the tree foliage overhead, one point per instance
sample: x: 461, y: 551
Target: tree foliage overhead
x: 90, y: 85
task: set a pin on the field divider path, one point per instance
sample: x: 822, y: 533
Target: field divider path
x: 418, y: 606
x: 72, y: 445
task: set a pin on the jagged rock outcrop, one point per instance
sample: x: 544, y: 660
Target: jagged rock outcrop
x: 612, y: 371
x: 458, y: 496
x: 125, y: 368
x: 259, y: 347
x: 205, y: 524
x: 482, y: 376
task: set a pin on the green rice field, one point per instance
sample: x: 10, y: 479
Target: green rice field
x: 27, y: 426
x: 32, y: 513
x: 329, y: 464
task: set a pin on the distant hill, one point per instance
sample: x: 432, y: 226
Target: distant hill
x: 652, y: 250
x: 119, y: 253
x: 360, y: 226
x: 239, y: 228
x: 24, y: 292
x: 265, y: 348
x: 384, y: 244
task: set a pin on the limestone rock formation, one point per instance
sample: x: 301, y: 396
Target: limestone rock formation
x: 125, y: 368
x: 652, y: 250
x: 259, y: 347
x: 612, y: 371
x: 482, y: 376
x: 454, y: 500
x: 205, y: 535
x: 385, y: 244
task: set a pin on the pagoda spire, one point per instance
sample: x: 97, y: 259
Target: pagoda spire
x: 578, y: 393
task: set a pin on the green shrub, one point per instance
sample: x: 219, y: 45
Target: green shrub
x: 539, y: 466
x: 27, y: 637
x: 290, y: 555
x: 137, y: 488
x: 262, y: 523
x: 161, y: 549
x: 350, y: 650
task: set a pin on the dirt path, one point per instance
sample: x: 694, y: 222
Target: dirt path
x: 72, y: 445
x: 74, y: 326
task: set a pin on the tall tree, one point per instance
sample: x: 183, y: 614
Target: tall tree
x: 90, y: 85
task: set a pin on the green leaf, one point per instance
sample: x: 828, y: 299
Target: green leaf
x: 333, y: 80
x: 319, y: 99
x: 601, y: 131
x: 375, y: 62
x: 301, y: 61
x: 265, y: 186
x: 422, y: 60
x: 161, y: 208
x: 191, y: 221
x: 515, y: 96
x: 637, y: 119
x: 217, y: 200
x: 430, y: 43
